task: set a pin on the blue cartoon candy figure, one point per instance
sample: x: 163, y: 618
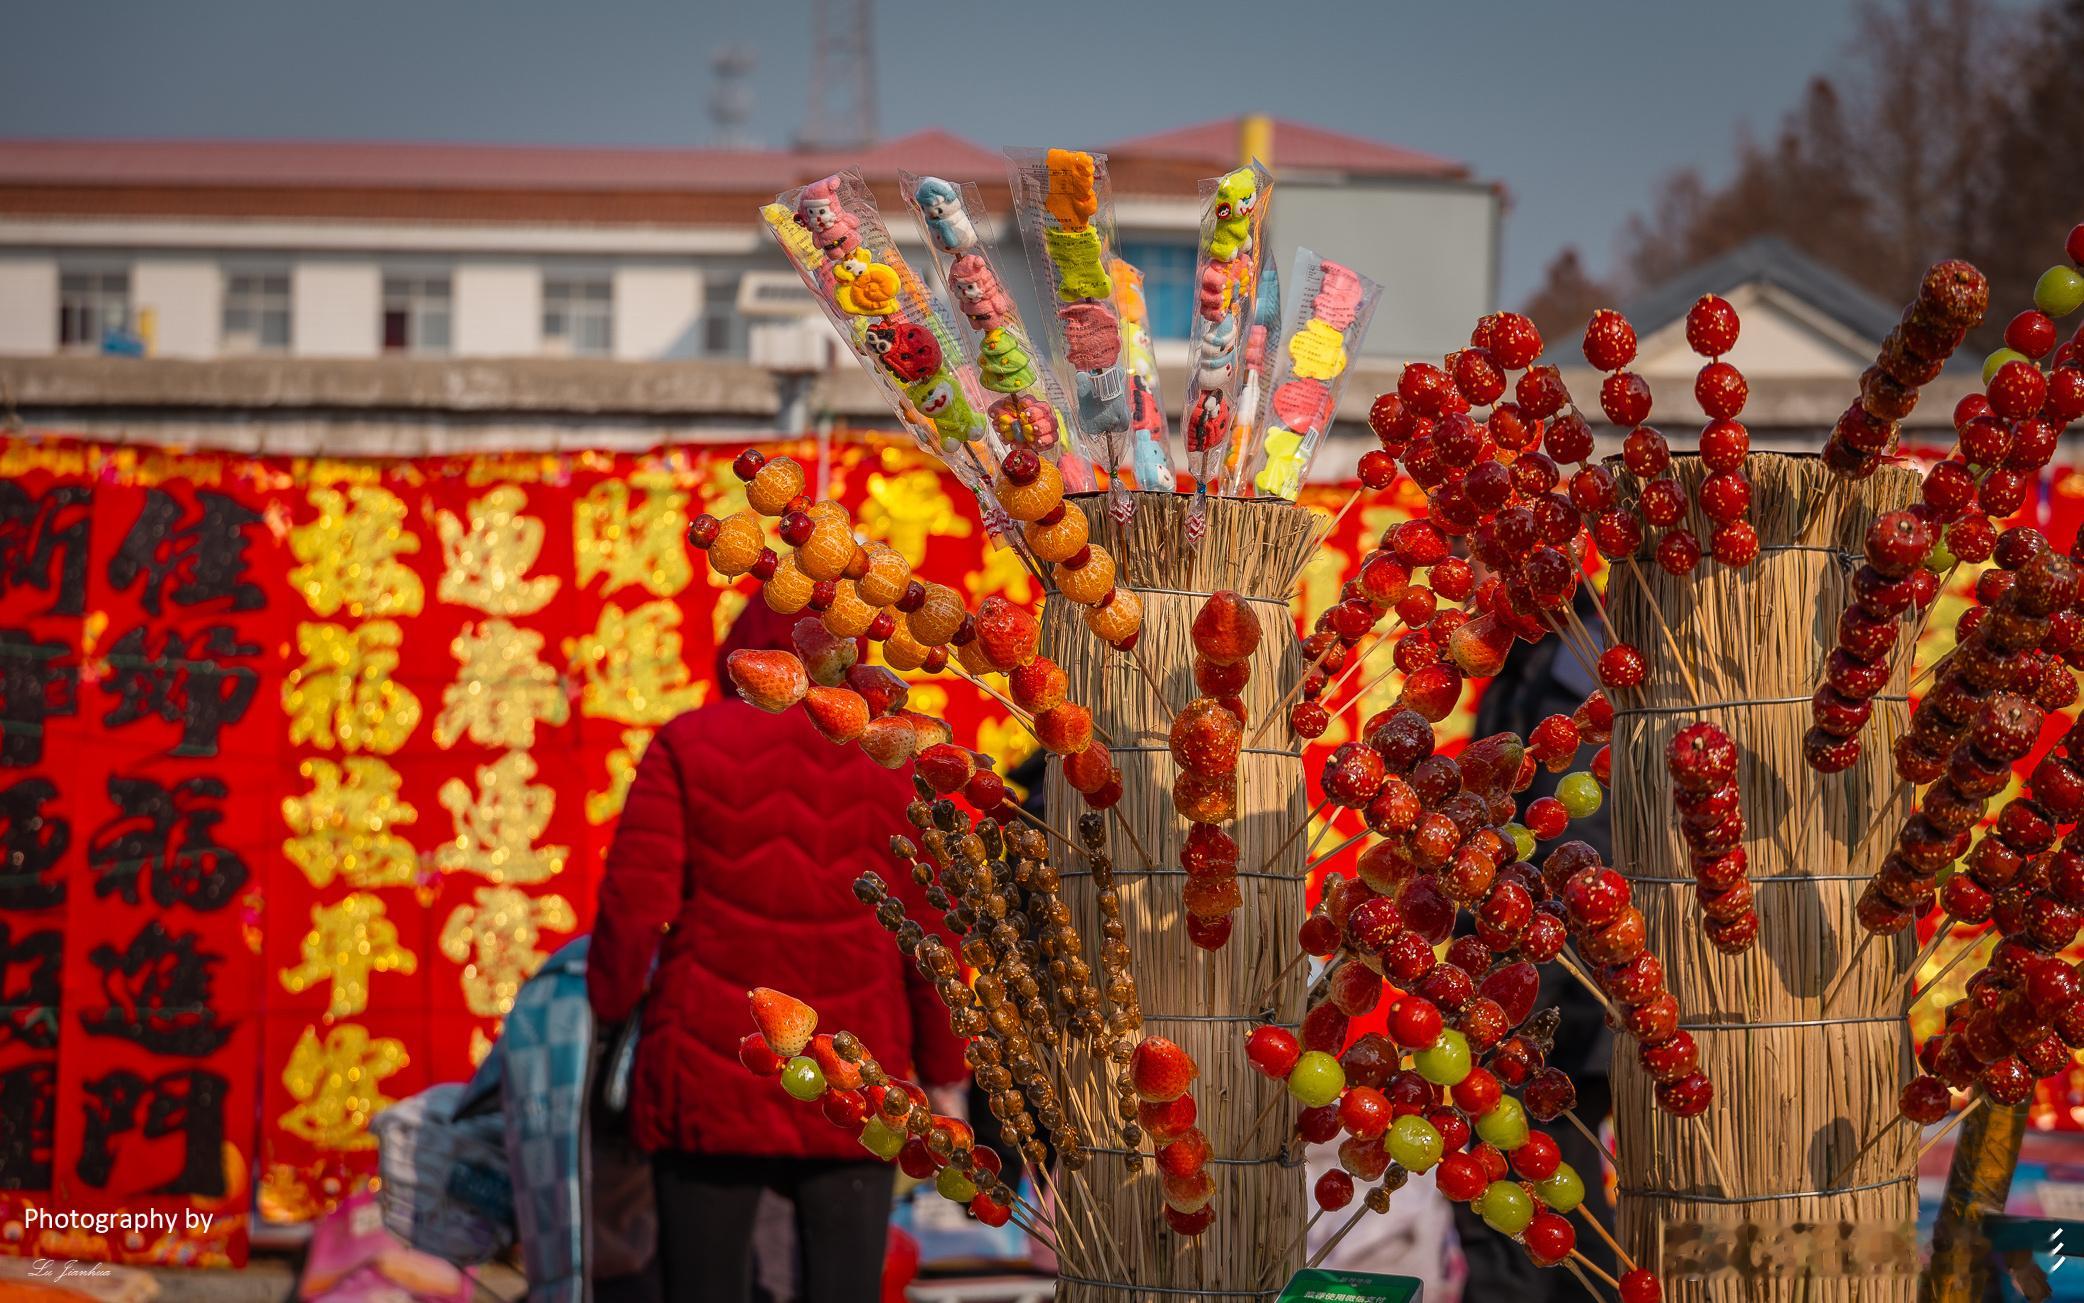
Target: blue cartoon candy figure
x: 946, y: 218
x: 1103, y: 402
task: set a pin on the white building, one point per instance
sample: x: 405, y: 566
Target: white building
x: 414, y: 298
x: 422, y: 298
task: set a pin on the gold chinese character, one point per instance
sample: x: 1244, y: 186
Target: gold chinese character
x: 496, y: 828
x: 350, y: 554
x: 347, y: 942
x: 495, y: 940
x: 906, y: 508
x: 346, y: 694
x: 486, y: 562
x: 601, y: 807
x: 632, y: 667
x: 501, y: 689
x: 1003, y: 574
x: 342, y: 826
x: 335, y: 1085
x: 640, y: 546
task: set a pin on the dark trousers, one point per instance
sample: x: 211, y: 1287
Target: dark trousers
x: 1500, y: 1269
x: 705, y: 1224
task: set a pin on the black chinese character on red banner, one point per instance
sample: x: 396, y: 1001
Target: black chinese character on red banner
x: 29, y: 1102
x: 34, y: 688
x: 43, y: 543
x: 159, y: 993
x: 29, y: 987
x: 188, y: 1103
x: 31, y: 844
x: 164, y: 832
x: 203, y: 560
x: 192, y: 685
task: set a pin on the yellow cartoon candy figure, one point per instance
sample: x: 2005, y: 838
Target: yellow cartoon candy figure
x: 1282, y: 474
x: 1318, y: 351
x: 1080, y: 272
x: 1236, y: 196
x: 867, y: 288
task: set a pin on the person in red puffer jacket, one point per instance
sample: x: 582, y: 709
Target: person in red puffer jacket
x: 733, y: 866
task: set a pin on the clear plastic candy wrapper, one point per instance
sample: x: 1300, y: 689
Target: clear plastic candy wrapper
x: 1066, y: 214
x: 1226, y: 285
x: 834, y: 236
x: 1327, y: 320
x: 1139, y: 359
x: 1025, y: 406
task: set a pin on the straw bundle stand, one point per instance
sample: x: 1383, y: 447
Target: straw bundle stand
x: 1204, y: 1001
x: 1798, y: 1088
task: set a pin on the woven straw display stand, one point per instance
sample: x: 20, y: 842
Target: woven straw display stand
x: 1798, y: 1088
x: 1204, y: 1001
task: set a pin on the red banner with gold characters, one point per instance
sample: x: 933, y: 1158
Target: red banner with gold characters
x: 306, y: 765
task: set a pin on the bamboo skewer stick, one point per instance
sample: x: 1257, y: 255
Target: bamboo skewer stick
x: 1664, y: 629
x: 1018, y: 712
x: 1845, y: 973
x: 1294, y: 833
x: 1925, y: 956
x: 1273, y: 1268
x: 1580, y: 1260
x: 1586, y: 982
x: 1591, y: 1136
x: 1933, y: 985
x: 1280, y: 709
x: 1143, y: 667
x: 1266, y: 1112
x: 1620, y: 1253
x: 1333, y: 1243
x: 1260, y: 1001
x: 1584, y: 1280
x: 1714, y: 1155
x: 1941, y: 1134
x: 1333, y: 853
x: 1336, y: 517
x: 1045, y: 826
x: 1889, y: 1129
x: 1122, y: 822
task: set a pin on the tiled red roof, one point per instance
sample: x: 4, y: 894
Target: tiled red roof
x: 1296, y: 146
x: 323, y: 163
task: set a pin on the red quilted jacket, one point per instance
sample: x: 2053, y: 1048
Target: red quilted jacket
x: 733, y: 864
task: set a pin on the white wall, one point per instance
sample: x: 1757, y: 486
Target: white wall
x: 186, y: 298
x: 335, y: 308
x: 28, y: 306
x: 499, y: 309
x: 657, y: 309
x: 1433, y: 246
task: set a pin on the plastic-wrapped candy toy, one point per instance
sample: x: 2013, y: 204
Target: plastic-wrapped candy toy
x: 947, y: 219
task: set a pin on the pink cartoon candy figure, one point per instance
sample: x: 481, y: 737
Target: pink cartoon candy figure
x: 819, y: 211
x: 978, y: 292
x: 1338, y: 301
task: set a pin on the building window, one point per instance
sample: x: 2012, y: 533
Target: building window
x: 1168, y: 286
x: 256, y: 312
x: 578, y: 316
x: 93, y: 309
x: 723, y: 332
x: 416, y: 314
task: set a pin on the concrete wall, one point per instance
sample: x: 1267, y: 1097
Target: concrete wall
x: 186, y: 299
x: 335, y: 308
x: 657, y: 309
x: 1433, y: 247
x: 28, y: 306
x: 498, y: 309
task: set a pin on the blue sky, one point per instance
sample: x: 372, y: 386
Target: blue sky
x: 1577, y: 107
